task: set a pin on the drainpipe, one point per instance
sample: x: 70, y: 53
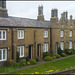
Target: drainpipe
x: 51, y: 40
x: 12, y: 43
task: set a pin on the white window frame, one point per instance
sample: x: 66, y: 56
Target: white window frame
x: 62, y: 45
x: 20, y: 34
x: 61, y: 33
x: 45, y: 47
x: 20, y: 48
x: 70, y: 44
x: 70, y: 34
x: 2, y: 34
x: 45, y: 34
x: 2, y: 54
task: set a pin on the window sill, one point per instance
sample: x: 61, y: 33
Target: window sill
x: 21, y: 56
x: 45, y: 37
x: 20, y: 38
x: 3, y: 60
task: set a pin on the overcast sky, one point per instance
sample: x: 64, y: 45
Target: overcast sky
x: 29, y: 9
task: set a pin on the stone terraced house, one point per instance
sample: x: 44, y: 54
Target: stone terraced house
x: 33, y: 37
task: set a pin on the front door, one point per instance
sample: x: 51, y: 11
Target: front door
x: 30, y: 51
x: 38, y: 50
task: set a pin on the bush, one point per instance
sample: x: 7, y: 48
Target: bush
x: 27, y: 59
x: 60, y: 51
x: 33, y: 61
x: 69, y: 51
x: 45, y: 54
x: 5, y: 63
x: 57, y: 56
x: 24, y: 63
x: 54, y: 57
x: 73, y: 51
x: 63, y: 55
x: 11, y: 62
x: 28, y: 63
x: 23, y: 60
x: 47, y: 58
x: 37, y: 59
x: 17, y: 56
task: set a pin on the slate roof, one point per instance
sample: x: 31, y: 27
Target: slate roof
x: 23, y: 22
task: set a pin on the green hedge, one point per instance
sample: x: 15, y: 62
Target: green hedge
x: 47, y: 58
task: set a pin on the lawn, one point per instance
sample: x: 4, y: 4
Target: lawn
x: 59, y: 65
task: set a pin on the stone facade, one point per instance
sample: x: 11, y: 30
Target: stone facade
x: 34, y: 33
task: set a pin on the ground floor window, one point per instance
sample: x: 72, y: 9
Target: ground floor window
x: 21, y: 51
x: 3, y: 54
x: 70, y: 44
x: 61, y: 45
x: 45, y: 47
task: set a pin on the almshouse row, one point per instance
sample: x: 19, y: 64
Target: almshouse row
x: 33, y: 37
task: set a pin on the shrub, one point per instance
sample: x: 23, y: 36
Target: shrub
x: 5, y: 63
x: 54, y: 57
x: 45, y: 54
x: 17, y: 56
x: 57, y: 56
x: 60, y: 51
x: 24, y: 63
x: 69, y: 51
x: 37, y: 59
x: 63, y: 55
x: 23, y: 60
x: 28, y: 63
x: 27, y: 59
x: 33, y: 61
x: 73, y: 51
x: 11, y: 62
x: 47, y: 58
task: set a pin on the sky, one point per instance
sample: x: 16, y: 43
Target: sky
x: 29, y: 9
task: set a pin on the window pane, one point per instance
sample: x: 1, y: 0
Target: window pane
x: 22, y: 33
x: 45, y: 33
x: 61, y: 45
x: 21, y: 51
x: 0, y: 54
x: 61, y: 34
x: 3, y: 34
x: 70, y: 34
x: 3, y: 54
x: 18, y: 34
x: 70, y: 45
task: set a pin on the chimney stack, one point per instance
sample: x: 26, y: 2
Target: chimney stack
x: 40, y: 13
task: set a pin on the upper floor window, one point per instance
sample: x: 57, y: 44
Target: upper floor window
x: 61, y: 33
x: 2, y: 34
x: 70, y: 34
x: 45, y: 34
x: 45, y: 47
x: 3, y: 54
x: 70, y: 44
x: 20, y: 34
x: 21, y: 51
x: 62, y: 45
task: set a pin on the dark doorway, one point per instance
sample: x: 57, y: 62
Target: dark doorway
x: 38, y: 50
x: 30, y: 51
